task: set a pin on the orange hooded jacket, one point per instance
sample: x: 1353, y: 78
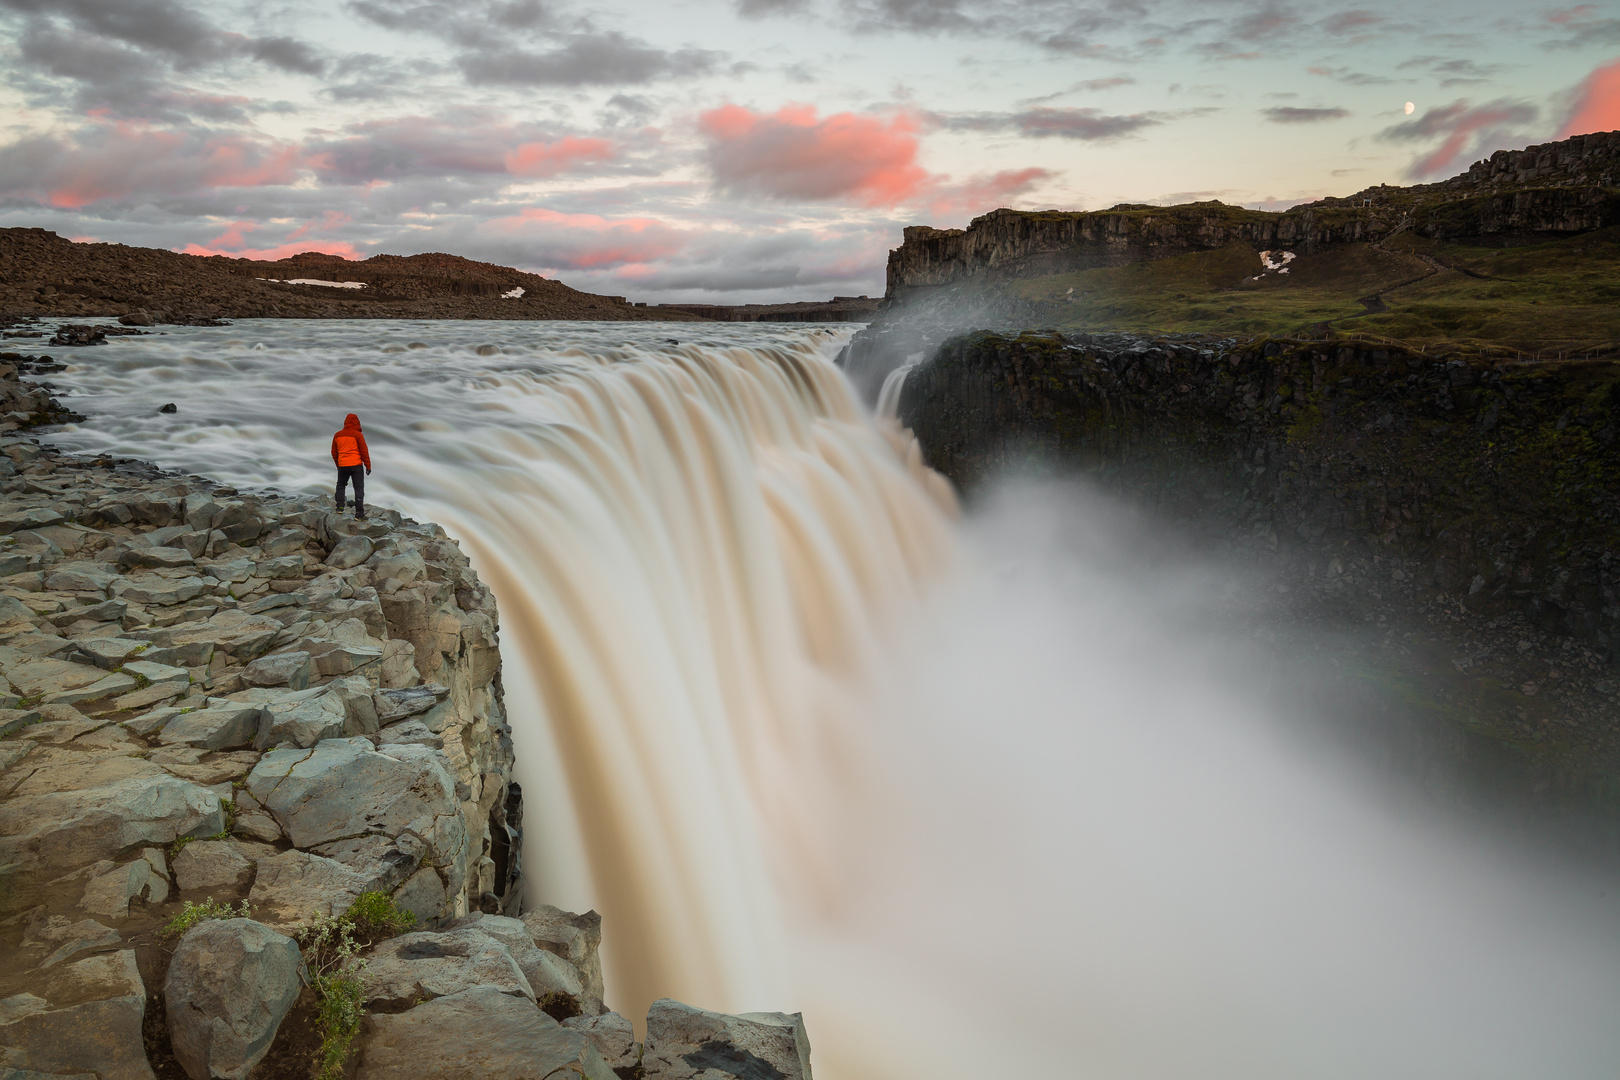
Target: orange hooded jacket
x: 349, y: 445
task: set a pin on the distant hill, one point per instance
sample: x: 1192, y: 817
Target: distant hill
x: 1521, y: 251
x: 42, y: 274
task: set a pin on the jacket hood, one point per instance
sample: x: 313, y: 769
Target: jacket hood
x: 351, y: 421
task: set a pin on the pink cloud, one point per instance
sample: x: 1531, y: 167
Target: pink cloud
x: 84, y: 239
x: 126, y: 159
x: 1464, y: 131
x: 541, y: 159
x: 1597, y: 103
x: 282, y: 251
x: 541, y: 237
x: 794, y: 155
x: 981, y: 193
x: 232, y: 236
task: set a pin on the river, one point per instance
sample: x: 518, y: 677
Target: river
x: 978, y: 795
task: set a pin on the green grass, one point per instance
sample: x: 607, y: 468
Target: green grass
x: 1553, y: 296
x: 332, y: 946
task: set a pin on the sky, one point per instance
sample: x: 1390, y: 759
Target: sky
x: 742, y: 151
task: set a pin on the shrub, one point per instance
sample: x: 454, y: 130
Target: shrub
x: 192, y: 914
x: 331, y: 946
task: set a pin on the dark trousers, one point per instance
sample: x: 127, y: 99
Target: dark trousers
x: 357, y: 473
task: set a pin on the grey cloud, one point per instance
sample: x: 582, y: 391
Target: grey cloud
x: 1465, y: 132
x: 1089, y: 125
x: 169, y: 29
x: 1455, y: 71
x: 759, y: 9
x: 1288, y: 114
x: 288, y: 54
x: 1347, y: 75
x: 610, y: 59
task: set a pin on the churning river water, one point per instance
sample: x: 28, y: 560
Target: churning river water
x: 965, y: 791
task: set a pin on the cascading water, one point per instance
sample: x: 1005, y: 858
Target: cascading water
x: 973, y: 799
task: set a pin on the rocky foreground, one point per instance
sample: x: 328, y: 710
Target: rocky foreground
x: 213, y: 699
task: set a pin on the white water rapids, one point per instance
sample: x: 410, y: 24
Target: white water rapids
x: 967, y: 794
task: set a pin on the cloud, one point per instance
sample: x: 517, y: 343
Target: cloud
x: 1086, y: 124
x: 169, y: 29
x: 586, y: 60
x: 793, y: 154
x: 950, y: 202
x: 456, y: 143
x: 1597, y: 103
x: 1581, y: 27
x: 1456, y: 71
x: 1465, y: 133
x: 546, y: 238
x: 124, y: 160
x: 540, y: 159
x: 1288, y: 114
x: 1346, y: 75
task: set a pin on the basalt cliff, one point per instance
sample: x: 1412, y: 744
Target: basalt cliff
x: 257, y: 817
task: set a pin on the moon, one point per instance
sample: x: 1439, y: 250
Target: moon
x: 1409, y: 108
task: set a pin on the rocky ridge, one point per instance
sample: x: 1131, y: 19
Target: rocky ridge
x: 216, y: 697
x: 42, y: 274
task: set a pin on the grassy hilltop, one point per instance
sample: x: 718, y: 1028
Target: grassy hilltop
x: 1521, y: 253
x: 1546, y: 295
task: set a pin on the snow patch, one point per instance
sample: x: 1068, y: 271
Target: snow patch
x: 317, y: 281
x: 512, y: 294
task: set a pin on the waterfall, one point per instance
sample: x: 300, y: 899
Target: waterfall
x: 979, y: 797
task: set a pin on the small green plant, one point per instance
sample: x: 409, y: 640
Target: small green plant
x: 376, y: 917
x: 332, y: 945
x: 192, y: 914
x: 343, y: 1006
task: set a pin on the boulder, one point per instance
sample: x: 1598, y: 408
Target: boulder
x: 154, y: 591
x: 684, y: 1043
x: 284, y: 542
x: 223, y: 727
x: 295, y: 885
x: 304, y: 719
x: 39, y: 677
x: 108, y: 653
x: 237, y: 634
x: 230, y: 984
x: 63, y: 939
x: 613, y: 1037
x: 158, y: 674
x: 575, y: 938
x: 342, y: 788
x: 547, y: 972
x: 205, y: 865
x: 474, y: 1035
x: 290, y: 669
x: 396, y: 704
x: 349, y: 552
x: 88, y: 1023
x: 155, y: 558
x: 426, y: 965
x: 109, y: 892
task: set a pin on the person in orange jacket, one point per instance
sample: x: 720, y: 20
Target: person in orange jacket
x: 350, y: 455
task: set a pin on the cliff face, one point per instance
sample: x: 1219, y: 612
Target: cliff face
x: 1503, y: 478
x: 1561, y: 187
x: 1466, y: 507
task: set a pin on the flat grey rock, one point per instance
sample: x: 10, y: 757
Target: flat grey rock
x: 204, y: 865
x: 477, y: 1034
x: 427, y: 965
x: 684, y: 1043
